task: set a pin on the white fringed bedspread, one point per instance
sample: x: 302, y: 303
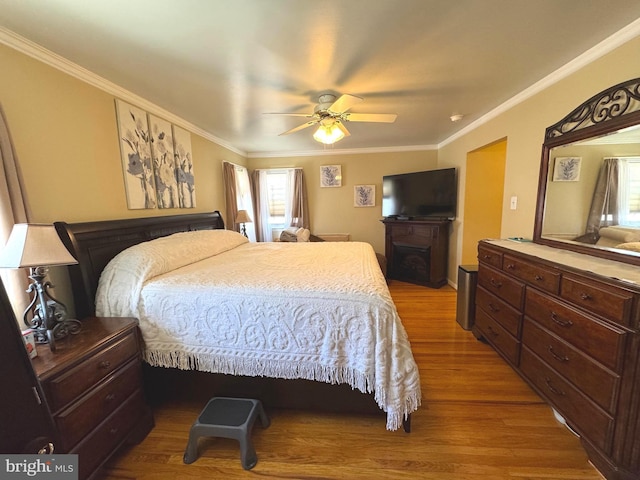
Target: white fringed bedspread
x: 212, y: 301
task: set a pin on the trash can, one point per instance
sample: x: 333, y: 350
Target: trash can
x: 466, y: 301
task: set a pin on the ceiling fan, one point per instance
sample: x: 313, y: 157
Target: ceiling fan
x: 330, y: 114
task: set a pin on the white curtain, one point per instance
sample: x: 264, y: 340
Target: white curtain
x: 244, y: 200
x: 269, y: 223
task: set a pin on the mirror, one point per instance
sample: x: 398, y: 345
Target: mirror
x: 589, y: 186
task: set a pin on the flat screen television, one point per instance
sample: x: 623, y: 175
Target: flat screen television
x: 428, y: 194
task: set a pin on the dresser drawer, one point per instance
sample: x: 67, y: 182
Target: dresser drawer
x: 598, y: 383
x: 601, y: 341
x: 95, y: 448
x: 508, y: 317
x: 581, y: 413
x: 542, y: 277
x: 502, y: 341
x: 63, y: 389
x: 501, y: 285
x: 612, y: 303
x: 490, y: 257
x: 79, y: 419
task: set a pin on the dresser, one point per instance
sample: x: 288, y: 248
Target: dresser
x: 569, y: 324
x: 417, y: 251
x: 93, y: 385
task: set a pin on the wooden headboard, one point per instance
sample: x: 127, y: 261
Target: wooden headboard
x: 94, y: 244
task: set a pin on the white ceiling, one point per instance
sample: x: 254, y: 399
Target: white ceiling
x: 221, y: 64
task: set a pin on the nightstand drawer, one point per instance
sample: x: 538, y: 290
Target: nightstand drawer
x: 79, y: 419
x: 501, y: 340
x: 95, y: 448
x: 500, y: 311
x: 501, y: 285
x: 582, y: 414
x: 600, y: 384
x: 76, y: 381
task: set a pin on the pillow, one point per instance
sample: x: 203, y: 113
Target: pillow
x: 122, y: 279
x: 303, y: 234
x: 632, y: 246
x: 621, y: 233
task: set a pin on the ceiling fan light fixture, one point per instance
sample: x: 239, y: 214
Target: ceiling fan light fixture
x: 328, y: 134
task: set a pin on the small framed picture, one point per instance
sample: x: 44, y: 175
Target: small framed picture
x: 331, y: 176
x: 364, y: 196
x: 567, y: 169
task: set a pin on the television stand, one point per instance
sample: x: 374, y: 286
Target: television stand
x: 417, y: 250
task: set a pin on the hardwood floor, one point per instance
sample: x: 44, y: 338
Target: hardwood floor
x: 478, y: 420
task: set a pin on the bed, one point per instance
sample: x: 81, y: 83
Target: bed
x: 210, y: 301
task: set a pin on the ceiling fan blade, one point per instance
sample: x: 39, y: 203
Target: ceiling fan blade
x: 371, y: 117
x: 343, y: 129
x: 308, y: 115
x: 344, y: 103
x: 300, y: 127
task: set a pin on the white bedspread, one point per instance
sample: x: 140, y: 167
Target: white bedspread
x: 213, y: 302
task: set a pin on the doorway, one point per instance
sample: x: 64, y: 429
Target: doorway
x: 483, y: 197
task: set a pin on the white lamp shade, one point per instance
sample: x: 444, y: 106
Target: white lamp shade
x: 243, y: 217
x: 33, y: 245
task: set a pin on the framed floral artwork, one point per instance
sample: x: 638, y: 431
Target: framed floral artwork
x: 364, y: 196
x: 135, y: 152
x: 164, y: 165
x: 331, y: 176
x: 567, y: 169
x: 184, y: 167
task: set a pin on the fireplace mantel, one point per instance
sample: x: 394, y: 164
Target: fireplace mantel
x: 417, y: 251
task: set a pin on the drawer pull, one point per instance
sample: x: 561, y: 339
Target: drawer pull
x: 511, y: 266
x: 113, y: 430
x: 562, y: 323
x: 495, y: 283
x: 111, y: 397
x: 560, y: 358
x: 492, y: 331
x: 585, y: 296
x: 553, y: 389
x: 104, y: 364
x: 538, y: 278
x: 487, y: 257
x: 493, y: 308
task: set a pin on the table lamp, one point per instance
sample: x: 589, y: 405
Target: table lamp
x: 39, y: 247
x: 243, y: 217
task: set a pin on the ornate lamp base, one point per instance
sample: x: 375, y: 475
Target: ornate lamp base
x: 48, y: 316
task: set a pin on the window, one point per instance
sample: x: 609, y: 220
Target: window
x: 276, y: 192
x: 630, y: 191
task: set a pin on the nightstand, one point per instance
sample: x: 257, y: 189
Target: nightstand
x: 93, y: 384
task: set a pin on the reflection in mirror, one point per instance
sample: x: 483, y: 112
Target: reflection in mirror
x: 589, y: 189
x: 592, y: 185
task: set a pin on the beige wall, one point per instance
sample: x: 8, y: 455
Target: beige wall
x: 66, y: 139
x: 331, y: 209
x: 524, y: 126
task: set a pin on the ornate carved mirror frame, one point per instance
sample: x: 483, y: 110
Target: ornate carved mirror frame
x: 605, y: 115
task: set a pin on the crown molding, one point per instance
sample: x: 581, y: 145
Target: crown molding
x: 33, y: 50
x: 50, y: 58
x: 341, y: 151
x: 609, y: 44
